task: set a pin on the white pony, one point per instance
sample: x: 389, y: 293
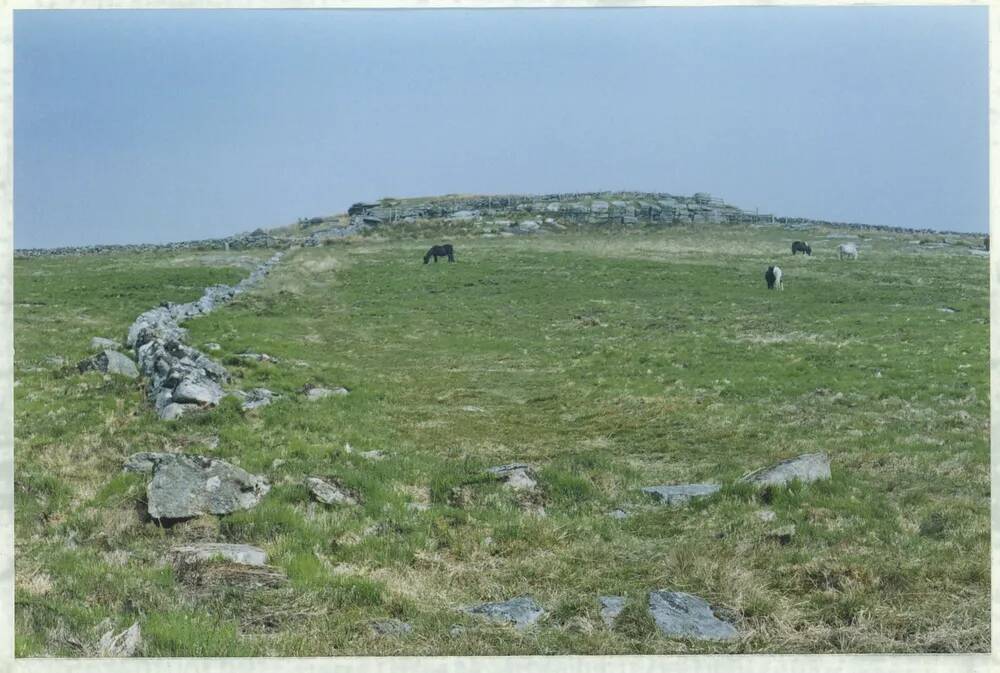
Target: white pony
x: 848, y: 250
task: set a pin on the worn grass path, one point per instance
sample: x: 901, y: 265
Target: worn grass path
x: 608, y: 363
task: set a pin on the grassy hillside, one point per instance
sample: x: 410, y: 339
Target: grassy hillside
x: 608, y: 363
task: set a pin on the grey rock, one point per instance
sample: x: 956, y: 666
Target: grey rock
x: 517, y: 476
x: 391, y: 627
x: 679, y: 494
x: 328, y: 493
x: 683, y: 615
x: 198, y: 388
x: 806, y: 468
x: 212, y: 346
x: 257, y: 397
x: 185, y: 485
x: 144, y: 461
x: 374, y: 455
x: 243, y: 554
x: 100, y: 344
x: 174, y: 411
x: 314, y: 394
x: 110, y: 362
x: 611, y: 607
x: 522, y: 611
x: 456, y: 631
x: 766, y: 515
x: 125, y: 644
x: 618, y: 514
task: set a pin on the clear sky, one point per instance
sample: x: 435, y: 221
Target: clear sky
x: 152, y: 126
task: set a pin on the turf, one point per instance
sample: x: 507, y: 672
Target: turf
x: 609, y: 361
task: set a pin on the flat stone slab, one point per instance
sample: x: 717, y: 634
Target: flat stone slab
x: 522, y: 611
x: 518, y: 476
x: 682, y: 615
x: 806, y: 468
x: 611, y: 607
x: 206, y: 551
x: 186, y: 485
x: 329, y: 494
x: 679, y: 494
x: 110, y: 361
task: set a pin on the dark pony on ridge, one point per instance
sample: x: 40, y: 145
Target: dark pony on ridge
x: 440, y: 251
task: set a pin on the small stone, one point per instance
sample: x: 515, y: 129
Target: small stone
x: 618, y: 514
x: 212, y: 346
x: 206, y: 551
x: 257, y: 397
x: 766, y: 515
x: 517, y: 476
x: 174, y: 410
x: 143, y: 462
x: 456, y: 631
x: 125, y: 644
x: 391, y: 627
x: 522, y: 611
x: 682, y: 615
x: 806, y: 468
x: 473, y: 409
x: 373, y: 455
x: 329, y: 494
x: 314, y: 394
x: 679, y: 494
x: 110, y: 362
x: 611, y: 607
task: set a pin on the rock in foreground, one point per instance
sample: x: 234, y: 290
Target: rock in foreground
x: 806, y: 468
x: 206, y: 551
x: 110, y: 362
x: 683, y: 615
x: 185, y: 485
x: 329, y: 494
x: 611, y: 607
x: 678, y: 494
x: 522, y: 611
x: 517, y: 476
x: 125, y: 644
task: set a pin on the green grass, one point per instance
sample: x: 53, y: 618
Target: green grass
x: 609, y: 361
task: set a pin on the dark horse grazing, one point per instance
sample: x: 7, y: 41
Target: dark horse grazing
x: 440, y: 251
x: 803, y: 247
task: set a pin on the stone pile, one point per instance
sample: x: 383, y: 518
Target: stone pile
x: 182, y: 378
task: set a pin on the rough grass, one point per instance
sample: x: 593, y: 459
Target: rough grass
x: 609, y: 362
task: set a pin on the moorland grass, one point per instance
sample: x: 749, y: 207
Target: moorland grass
x: 609, y: 361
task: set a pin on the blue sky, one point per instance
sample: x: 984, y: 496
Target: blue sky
x: 152, y: 126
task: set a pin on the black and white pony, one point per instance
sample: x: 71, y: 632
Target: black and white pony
x: 440, y: 251
x: 803, y: 247
x: 773, y: 278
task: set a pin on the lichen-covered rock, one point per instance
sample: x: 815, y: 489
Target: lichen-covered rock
x: 806, y: 468
x: 329, y: 494
x: 144, y: 461
x: 517, y: 476
x: 185, y: 485
x: 679, y: 494
x: 522, y: 611
x: 255, y: 398
x: 611, y: 607
x: 197, y: 388
x: 682, y: 615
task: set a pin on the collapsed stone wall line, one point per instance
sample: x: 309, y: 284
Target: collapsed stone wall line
x: 182, y: 378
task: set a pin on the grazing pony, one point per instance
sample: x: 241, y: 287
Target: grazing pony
x: 803, y: 247
x: 440, y: 251
x: 847, y: 250
x: 773, y: 278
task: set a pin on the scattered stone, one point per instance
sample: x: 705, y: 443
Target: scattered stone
x: 456, y: 631
x: 522, y: 611
x: 686, y: 616
x: 314, y: 394
x: 611, y: 607
x: 185, y: 485
x: 110, y: 362
x: 329, y: 494
x: 374, y: 455
x: 618, y: 514
x: 473, y: 409
x: 391, y: 627
x: 418, y: 506
x: 259, y: 357
x: 766, y: 515
x: 517, y: 476
x: 679, y: 494
x: 212, y: 346
x: 144, y: 461
x: 806, y: 468
x: 101, y: 344
x: 782, y: 535
x: 125, y: 644
x: 207, y: 551
x: 174, y: 411
x: 257, y: 397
